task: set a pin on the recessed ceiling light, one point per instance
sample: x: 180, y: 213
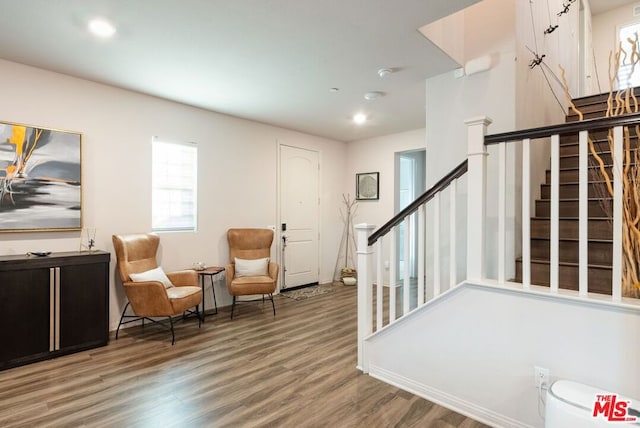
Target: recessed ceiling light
x: 101, y: 28
x: 384, y: 72
x: 359, y: 118
x: 373, y: 95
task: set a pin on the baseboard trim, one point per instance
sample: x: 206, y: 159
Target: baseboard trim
x: 443, y: 399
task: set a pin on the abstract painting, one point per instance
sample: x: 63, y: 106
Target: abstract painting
x: 40, y: 179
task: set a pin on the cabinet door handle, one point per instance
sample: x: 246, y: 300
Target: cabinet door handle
x: 57, y: 333
x: 52, y: 309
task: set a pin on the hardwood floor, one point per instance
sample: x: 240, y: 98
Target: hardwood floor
x: 294, y: 370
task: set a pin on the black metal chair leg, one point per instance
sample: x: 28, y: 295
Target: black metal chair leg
x: 215, y: 302
x: 173, y: 336
x: 199, y: 315
x: 233, y: 305
x: 273, y: 304
x: 121, y: 318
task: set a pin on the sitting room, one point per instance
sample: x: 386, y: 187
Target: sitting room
x: 180, y: 123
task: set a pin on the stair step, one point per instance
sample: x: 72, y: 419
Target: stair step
x: 596, y: 106
x: 573, y: 160
x: 599, y: 276
x: 595, y: 111
x: 596, y: 136
x: 600, y: 99
x: 599, y: 251
x: 598, y: 228
x: 600, y: 140
x: 588, y: 115
x: 569, y: 207
x: 570, y: 190
x: 568, y: 175
x: 591, y: 99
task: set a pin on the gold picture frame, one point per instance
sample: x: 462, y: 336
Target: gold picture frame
x: 40, y: 179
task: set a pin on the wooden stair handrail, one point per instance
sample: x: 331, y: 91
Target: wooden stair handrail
x: 564, y: 128
x: 457, y: 172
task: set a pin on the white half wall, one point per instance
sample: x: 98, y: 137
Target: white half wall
x: 478, y: 346
x: 237, y: 170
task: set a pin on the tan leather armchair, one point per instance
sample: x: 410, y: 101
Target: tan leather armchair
x: 251, y: 244
x: 136, y: 254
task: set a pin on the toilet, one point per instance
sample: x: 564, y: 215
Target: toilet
x: 571, y: 404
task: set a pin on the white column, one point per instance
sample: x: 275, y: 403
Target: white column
x: 365, y: 305
x: 436, y: 245
x: 453, y: 266
x: 616, y: 274
x: 502, y: 212
x: 554, y: 222
x: 393, y: 245
x: 583, y: 214
x: 421, y: 250
x: 406, y: 290
x: 379, y: 281
x: 476, y: 196
x: 526, y: 213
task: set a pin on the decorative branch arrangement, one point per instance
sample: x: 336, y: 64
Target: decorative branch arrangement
x: 345, y: 264
x: 619, y: 102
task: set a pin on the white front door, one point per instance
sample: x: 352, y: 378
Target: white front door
x: 299, y: 206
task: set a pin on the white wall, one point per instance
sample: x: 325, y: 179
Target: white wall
x: 378, y: 154
x: 237, y: 169
x: 478, y: 345
x: 605, y: 38
x: 489, y: 31
x: 589, y: 84
x: 448, y: 34
x: 536, y: 104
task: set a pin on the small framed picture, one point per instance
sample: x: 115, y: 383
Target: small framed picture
x: 368, y: 186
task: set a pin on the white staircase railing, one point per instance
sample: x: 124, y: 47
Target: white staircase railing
x: 375, y: 247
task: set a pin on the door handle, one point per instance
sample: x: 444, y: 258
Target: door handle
x: 57, y: 323
x: 52, y: 309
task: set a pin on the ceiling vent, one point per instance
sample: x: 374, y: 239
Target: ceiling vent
x: 636, y: 11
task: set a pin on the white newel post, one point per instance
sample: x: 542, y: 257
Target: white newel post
x: 476, y: 196
x: 365, y: 297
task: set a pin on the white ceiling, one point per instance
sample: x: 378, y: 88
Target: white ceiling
x: 600, y: 6
x: 271, y: 61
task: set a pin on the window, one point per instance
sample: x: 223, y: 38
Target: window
x: 628, y: 75
x: 174, y: 186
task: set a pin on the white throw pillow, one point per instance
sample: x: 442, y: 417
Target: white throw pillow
x: 156, y: 274
x: 256, y: 267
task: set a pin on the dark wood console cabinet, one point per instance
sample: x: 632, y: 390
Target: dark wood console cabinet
x: 53, y: 305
